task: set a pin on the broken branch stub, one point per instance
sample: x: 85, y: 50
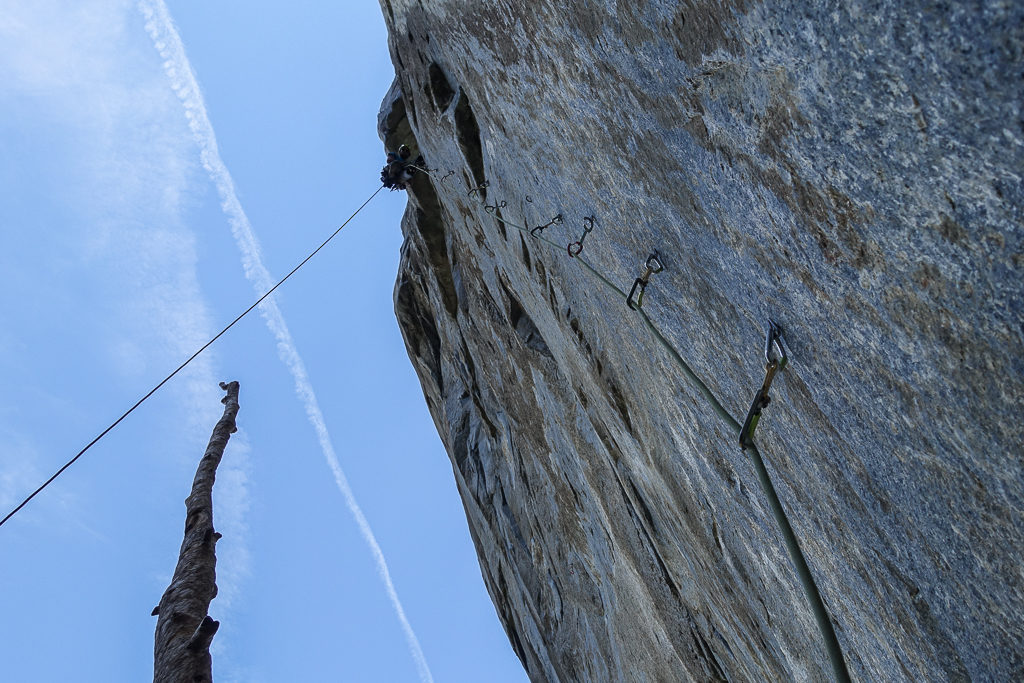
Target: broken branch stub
x: 184, y: 630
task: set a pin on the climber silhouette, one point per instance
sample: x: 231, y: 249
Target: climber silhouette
x: 399, y: 171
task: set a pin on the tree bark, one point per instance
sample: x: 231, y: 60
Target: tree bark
x: 184, y: 630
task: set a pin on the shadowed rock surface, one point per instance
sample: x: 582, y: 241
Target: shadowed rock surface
x: 852, y: 170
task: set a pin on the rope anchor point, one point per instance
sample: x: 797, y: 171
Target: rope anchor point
x: 576, y: 248
x: 775, y: 358
x: 652, y: 266
x: 557, y: 220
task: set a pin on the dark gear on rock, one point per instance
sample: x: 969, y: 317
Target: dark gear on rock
x: 399, y: 170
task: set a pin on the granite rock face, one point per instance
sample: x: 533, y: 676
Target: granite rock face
x: 852, y: 170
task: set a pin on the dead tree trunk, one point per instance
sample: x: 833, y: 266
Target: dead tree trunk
x: 184, y: 630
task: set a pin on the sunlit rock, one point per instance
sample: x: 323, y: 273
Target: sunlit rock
x: 850, y: 170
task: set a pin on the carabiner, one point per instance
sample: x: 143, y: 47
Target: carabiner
x: 479, y: 189
x: 491, y: 209
x: 652, y: 265
x: 775, y: 359
x: 642, y: 284
x: 655, y: 258
x: 575, y: 248
x: 775, y: 345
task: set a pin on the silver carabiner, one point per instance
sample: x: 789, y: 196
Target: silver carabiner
x: 775, y: 345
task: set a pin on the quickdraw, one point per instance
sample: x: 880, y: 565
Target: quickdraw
x: 775, y: 359
x: 432, y: 172
x: 576, y: 248
x: 557, y: 220
x: 652, y: 266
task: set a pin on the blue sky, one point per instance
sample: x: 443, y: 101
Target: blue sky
x: 120, y: 257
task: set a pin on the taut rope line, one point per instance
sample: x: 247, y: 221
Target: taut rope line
x: 181, y: 367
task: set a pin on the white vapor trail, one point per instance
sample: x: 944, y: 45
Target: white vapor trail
x: 168, y: 43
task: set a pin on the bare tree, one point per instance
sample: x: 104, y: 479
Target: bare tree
x: 184, y: 630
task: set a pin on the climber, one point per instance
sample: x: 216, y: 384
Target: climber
x: 399, y: 170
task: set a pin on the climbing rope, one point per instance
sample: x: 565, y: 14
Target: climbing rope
x: 432, y: 172
x: 775, y: 355
x: 191, y: 358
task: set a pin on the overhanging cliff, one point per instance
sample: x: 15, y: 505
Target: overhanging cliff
x: 851, y: 170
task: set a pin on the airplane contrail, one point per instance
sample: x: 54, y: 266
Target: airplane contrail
x: 168, y: 43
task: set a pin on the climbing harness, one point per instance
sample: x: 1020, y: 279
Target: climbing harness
x: 775, y: 359
x: 557, y: 220
x: 652, y: 266
x: 398, y: 170
x: 576, y: 248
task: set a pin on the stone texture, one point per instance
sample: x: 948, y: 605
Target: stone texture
x: 852, y: 170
